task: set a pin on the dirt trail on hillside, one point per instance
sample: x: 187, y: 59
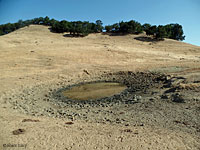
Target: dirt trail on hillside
x: 35, y: 63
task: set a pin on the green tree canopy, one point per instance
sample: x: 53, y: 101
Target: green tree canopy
x: 99, y: 26
x: 79, y: 28
x: 160, y: 32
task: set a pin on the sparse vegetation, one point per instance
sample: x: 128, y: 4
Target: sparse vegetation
x: 172, y: 31
x: 83, y: 28
x: 76, y: 28
x: 131, y: 27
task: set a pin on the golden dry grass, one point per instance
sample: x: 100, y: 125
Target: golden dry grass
x: 33, y: 55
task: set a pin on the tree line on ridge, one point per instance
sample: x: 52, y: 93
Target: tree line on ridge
x: 83, y: 28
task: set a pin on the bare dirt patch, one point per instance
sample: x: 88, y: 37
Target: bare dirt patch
x: 152, y: 99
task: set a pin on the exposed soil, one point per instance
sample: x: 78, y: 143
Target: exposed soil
x: 159, y: 109
x: 152, y: 99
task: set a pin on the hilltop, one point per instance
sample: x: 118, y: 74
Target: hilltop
x: 84, y: 28
x: 34, y: 60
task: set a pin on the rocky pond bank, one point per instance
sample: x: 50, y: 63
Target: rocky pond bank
x: 151, y: 99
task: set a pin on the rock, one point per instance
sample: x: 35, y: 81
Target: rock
x: 177, y: 97
x: 18, y: 131
x: 139, y: 97
x: 151, y: 99
x: 127, y: 130
x: 117, y: 119
x: 108, y: 120
x: 168, y: 77
x: 164, y: 96
x: 171, y: 90
x: 69, y: 123
x: 176, y: 82
x: 85, y: 71
x: 30, y: 120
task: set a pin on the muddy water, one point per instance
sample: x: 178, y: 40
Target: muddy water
x: 94, y: 90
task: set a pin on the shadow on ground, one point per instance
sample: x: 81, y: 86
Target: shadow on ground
x: 71, y: 35
x: 114, y: 34
x: 147, y: 39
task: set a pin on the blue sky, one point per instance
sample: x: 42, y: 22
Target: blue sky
x: 155, y: 12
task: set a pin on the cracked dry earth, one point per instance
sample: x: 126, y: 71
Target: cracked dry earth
x: 160, y: 109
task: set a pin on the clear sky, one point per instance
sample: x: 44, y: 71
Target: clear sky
x: 155, y: 12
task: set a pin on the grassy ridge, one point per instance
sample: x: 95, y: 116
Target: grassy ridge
x: 83, y: 28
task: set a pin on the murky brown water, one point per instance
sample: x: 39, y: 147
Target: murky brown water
x: 94, y: 90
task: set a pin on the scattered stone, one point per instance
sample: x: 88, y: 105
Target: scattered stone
x: 18, y: 131
x: 171, y: 90
x: 117, y: 119
x: 177, y: 81
x: 151, y: 99
x: 152, y: 93
x: 69, y: 123
x: 30, y: 120
x: 139, y: 97
x: 108, y: 120
x: 141, y: 124
x: 181, y: 122
x: 127, y: 130
x: 109, y: 106
x: 164, y: 96
x: 86, y: 71
x: 136, y: 132
x: 178, y: 98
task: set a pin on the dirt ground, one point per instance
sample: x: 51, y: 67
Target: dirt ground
x: 34, y: 62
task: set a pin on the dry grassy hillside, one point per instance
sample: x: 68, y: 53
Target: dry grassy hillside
x: 35, y: 58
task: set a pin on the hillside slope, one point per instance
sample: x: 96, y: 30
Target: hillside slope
x: 35, y: 57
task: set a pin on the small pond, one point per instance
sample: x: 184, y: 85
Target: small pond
x: 97, y: 90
